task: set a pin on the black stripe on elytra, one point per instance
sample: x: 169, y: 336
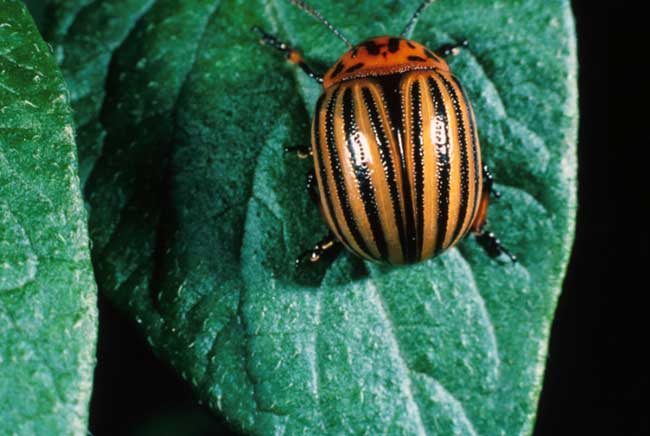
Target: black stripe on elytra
x: 416, y: 59
x: 472, y: 128
x: 337, y: 70
x: 393, y: 44
x: 337, y: 172
x: 410, y: 44
x: 386, y: 157
x: 354, y: 67
x: 443, y: 164
x: 417, y: 150
x: 394, y: 105
x: 321, y: 165
x: 464, y: 164
x: 362, y: 173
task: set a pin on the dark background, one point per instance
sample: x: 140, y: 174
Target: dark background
x: 597, y: 375
x: 597, y: 370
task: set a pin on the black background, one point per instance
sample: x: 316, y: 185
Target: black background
x: 597, y: 375
x: 597, y: 372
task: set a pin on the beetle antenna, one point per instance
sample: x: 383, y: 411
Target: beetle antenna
x: 314, y: 13
x: 411, y: 24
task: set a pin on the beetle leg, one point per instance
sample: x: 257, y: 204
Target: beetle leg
x: 329, y: 242
x: 311, y: 186
x: 302, y: 151
x: 492, y: 245
x: 292, y: 54
x: 481, y: 215
x: 489, y: 181
x: 486, y: 239
x: 451, y: 49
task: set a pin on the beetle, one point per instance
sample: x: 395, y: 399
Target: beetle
x: 397, y: 174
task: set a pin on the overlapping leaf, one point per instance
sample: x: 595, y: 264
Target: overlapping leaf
x: 47, y: 292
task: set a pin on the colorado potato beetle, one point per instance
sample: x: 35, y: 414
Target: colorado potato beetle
x: 397, y: 170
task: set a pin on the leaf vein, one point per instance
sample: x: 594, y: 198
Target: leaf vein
x: 377, y: 297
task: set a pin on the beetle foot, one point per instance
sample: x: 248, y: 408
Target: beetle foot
x: 315, y: 254
x: 301, y: 151
x: 492, y: 246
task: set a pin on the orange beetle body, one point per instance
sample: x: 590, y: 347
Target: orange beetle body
x: 397, y: 172
x: 396, y: 153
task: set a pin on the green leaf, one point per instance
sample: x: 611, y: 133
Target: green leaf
x: 197, y: 215
x: 48, y: 315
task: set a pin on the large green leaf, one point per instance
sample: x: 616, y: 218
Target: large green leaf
x: 197, y: 216
x: 48, y: 316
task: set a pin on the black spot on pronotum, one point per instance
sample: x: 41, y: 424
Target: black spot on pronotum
x: 337, y: 70
x: 372, y: 47
x: 416, y: 59
x: 354, y: 67
x: 393, y: 45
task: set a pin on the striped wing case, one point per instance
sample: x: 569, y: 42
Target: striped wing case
x: 398, y: 164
